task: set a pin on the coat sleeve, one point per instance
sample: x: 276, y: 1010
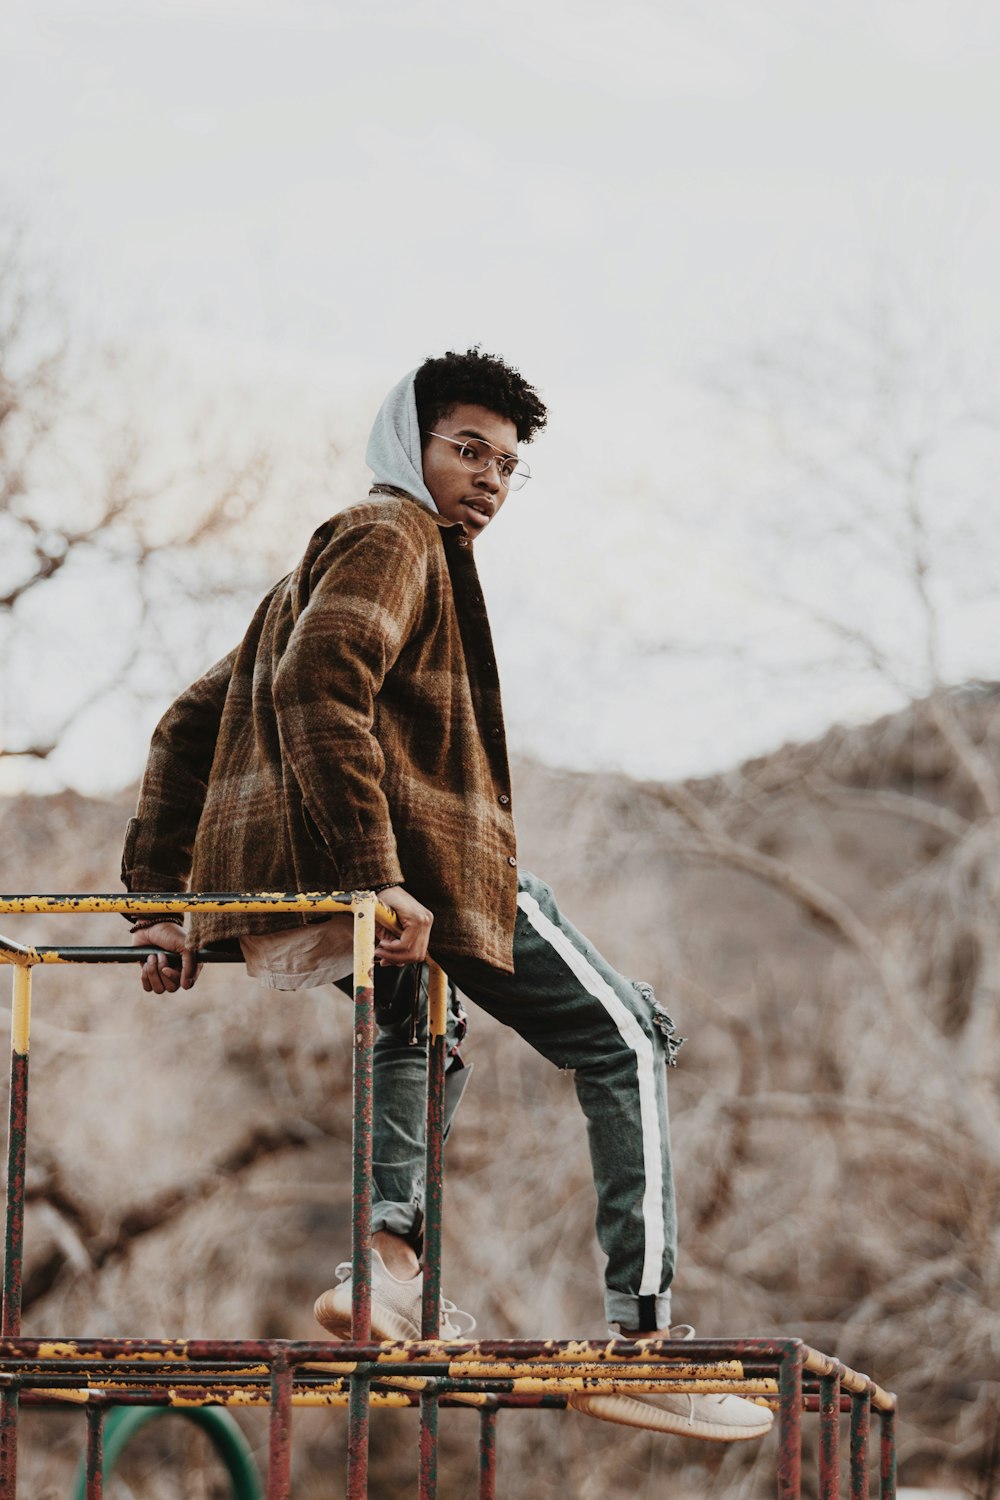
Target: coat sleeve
x: 362, y: 610
x: 160, y: 838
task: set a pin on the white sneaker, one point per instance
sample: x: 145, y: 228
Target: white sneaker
x: 720, y: 1419
x: 395, y: 1307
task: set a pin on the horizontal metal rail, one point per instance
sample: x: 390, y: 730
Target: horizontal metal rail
x: 281, y: 1376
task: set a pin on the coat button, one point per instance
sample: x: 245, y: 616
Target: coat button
x: 463, y: 541
x: 503, y: 799
x: 511, y: 860
x: 496, y: 733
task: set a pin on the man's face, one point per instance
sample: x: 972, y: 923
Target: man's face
x: 459, y: 495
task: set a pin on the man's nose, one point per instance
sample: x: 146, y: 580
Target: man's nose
x: 490, y: 476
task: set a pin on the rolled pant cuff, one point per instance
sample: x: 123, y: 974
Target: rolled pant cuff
x: 404, y: 1219
x: 623, y: 1310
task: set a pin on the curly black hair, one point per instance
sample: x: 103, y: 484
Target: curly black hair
x: 479, y: 380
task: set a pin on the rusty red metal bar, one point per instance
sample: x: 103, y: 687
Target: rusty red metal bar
x: 790, y: 1425
x: 95, y: 1453
x: 829, y: 1436
x: 488, y: 1453
x: 279, y: 1374
x: 8, y: 1443
x: 427, y: 1475
x: 279, y: 1463
x: 887, y: 1455
x: 860, y: 1426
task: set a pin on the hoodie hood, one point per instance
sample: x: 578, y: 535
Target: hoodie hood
x: 393, y: 453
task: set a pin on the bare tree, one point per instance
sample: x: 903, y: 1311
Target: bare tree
x: 880, y: 1055
x: 109, y: 523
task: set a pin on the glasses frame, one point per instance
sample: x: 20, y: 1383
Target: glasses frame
x: 521, y: 472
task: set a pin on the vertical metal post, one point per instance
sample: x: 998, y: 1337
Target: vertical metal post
x: 357, y: 1436
x: 437, y: 1025
x: 361, y: 1124
x: 20, y: 1027
x: 10, y: 1321
x: 887, y: 1456
x: 95, y: 1453
x: 429, y: 1412
x: 790, y: 1425
x: 829, y: 1436
x: 8, y: 1443
x: 279, y: 1463
x: 361, y: 1219
x: 488, y: 1453
x: 860, y: 1424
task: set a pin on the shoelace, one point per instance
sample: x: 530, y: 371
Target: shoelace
x: 450, y: 1329
x: 682, y: 1332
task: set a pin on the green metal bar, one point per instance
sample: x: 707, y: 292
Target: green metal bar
x: 224, y: 1433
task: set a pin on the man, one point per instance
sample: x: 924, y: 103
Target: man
x: 355, y: 740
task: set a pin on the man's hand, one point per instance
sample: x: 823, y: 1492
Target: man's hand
x: 410, y: 946
x: 156, y: 975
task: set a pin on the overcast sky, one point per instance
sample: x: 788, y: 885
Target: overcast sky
x: 627, y: 201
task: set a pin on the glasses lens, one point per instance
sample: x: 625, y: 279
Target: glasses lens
x: 518, y: 477
x: 474, y: 457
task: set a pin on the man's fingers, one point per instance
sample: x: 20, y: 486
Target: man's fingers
x: 190, y: 969
x: 408, y: 949
x: 157, y: 976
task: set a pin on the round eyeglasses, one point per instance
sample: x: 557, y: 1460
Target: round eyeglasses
x: 476, y: 455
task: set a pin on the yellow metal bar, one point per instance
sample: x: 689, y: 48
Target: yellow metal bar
x: 16, y: 953
x: 20, y: 1016
x: 366, y: 908
x: 437, y: 1000
x: 727, y: 1375
x: 250, y: 901
x: 851, y: 1380
x: 239, y: 1398
x: 387, y: 917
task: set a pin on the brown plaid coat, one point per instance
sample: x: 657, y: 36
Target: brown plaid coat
x: 353, y: 739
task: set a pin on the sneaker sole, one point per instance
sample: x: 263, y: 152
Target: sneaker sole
x: 628, y: 1412
x: 387, y: 1326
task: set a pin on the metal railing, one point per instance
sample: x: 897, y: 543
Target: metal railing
x: 281, y: 1375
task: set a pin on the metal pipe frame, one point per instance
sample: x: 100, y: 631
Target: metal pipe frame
x: 361, y: 1376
